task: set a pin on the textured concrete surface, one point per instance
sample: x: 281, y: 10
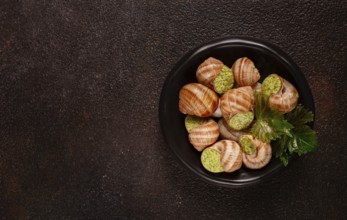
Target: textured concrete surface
x: 79, y: 94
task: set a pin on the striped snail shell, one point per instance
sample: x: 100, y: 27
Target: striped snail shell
x: 260, y: 158
x: 245, y: 72
x: 231, y: 154
x: 286, y: 99
x: 215, y: 75
x: 197, y: 99
x: 208, y: 71
x: 204, y: 135
x: 218, y: 113
x: 257, y: 87
x: 226, y: 132
x: 237, y: 100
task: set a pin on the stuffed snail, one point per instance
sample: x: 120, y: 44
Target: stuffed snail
x: 218, y: 113
x: 256, y: 154
x: 197, y: 99
x: 215, y: 75
x: 282, y: 95
x: 223, y: 156
x: 202, y: 132
x: 245, y: 72
x: 237, y: 107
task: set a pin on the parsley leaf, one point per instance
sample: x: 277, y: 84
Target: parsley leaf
x: 260, y: 105
x: 284, y: 158
x: 268, y: 129
x: 279, y: 149
x: 288, y: 133
x: 299, y: 116
x: 304, y: 140
x: 270, y: 124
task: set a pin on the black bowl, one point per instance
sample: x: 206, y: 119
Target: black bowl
x: 267, y: 58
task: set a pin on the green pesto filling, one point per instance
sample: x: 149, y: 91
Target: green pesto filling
x: 241, y: 120
x: 224, y: 81
x: 271, y: 84
x: 193, y: 121
x: 211, y: 160
x: 247, y: 144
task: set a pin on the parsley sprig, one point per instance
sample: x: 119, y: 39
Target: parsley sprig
x: 288, y: 133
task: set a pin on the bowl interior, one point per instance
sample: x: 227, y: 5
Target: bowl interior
x: 266, y: 57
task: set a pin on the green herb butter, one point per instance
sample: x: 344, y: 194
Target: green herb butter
x: 241, y: 120
x: 247, y: 144
x: 271, y: 84
x: 211, y: 160
x: 224, y: 81
x: 192, y: 122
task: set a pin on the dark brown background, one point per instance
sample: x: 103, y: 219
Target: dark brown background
x: 79, y: 93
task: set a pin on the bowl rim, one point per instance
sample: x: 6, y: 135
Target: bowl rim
x: 245, y: 40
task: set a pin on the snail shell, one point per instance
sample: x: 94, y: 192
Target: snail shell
x: 204, y: 135
x: 257, y: 87
x: 237, y: 101
x: 208, y: 71
x: 286, y: 99
x: 245, y: 72
x: 231, y: 154
x: 218, y: 113
x: 228, y: 133
x: 261, y: 156
x: 197, y: 99
x: 215, y: 75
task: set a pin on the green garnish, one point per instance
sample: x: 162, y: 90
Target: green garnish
x: 246, y: 144
x: 241, y: 121
x: 211, y: 160
x: 302, y: 138
x: 299, y: 116
x: 192, y: 122
x: 224, y: 81
x: 270, y: 124
x: 288, y: 133
x: 271, y: 85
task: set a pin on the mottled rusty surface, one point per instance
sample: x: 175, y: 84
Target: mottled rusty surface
x: 79, y: 95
